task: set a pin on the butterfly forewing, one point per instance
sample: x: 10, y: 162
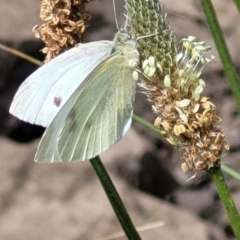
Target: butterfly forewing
x: 43, y: 94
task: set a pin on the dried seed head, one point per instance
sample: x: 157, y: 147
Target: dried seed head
x: 64, y: 25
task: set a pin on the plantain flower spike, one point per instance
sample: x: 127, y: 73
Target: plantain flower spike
x: 64, y: 25
x: 171, y: 76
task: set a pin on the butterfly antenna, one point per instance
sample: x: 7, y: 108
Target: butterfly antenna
x: 126, y: 22
x: 114, y: 10
x: 146, y: 36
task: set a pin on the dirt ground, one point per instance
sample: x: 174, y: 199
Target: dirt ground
x: 66, y: 201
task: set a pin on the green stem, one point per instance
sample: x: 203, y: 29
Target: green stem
x: 237, y: 2
x: 223, y: 51
x: 232, y: 75
x: 146, y: 124
x: 226, y: 198
x: 115, y: 199
x: 230, y: 172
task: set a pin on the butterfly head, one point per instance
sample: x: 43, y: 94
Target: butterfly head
x: 126, y: 45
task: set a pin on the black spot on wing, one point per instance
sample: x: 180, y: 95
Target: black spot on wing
x: 57, y: 101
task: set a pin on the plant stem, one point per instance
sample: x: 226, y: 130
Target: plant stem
x: 237, y: 2
x: 146, y: 124
x: 223, y: 51
x: 226, y: 198
x: 20, y: 54
x: 115, y: 199
x: 232, y: 75
x: 231, y: 172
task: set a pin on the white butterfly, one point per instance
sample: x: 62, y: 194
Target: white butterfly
x: 84, y: 97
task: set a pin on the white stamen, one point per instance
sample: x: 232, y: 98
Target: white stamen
x: 184, y: 118
x: 146, y: 70
x: 179, y: 57
x: 151, y: 71
x: 197, y: 92
x: 196, y: 108
x: 202, y: 83
x: 145, y: 63
x: 180, y: 73
x: 183, y: 103
x: 191, y: 38
x: 135, y: 75
x: 159, y: 66
x: 167, y: 81
x: 151, y: 61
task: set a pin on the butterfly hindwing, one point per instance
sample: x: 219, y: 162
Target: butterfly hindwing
x: 96, y: 116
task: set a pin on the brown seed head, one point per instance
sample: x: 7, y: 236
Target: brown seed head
x: 64, y: 25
